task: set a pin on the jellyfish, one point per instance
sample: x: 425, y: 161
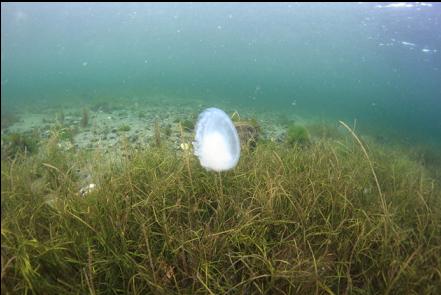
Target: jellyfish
x: 216, y: 142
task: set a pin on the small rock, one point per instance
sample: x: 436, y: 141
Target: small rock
x: 185, y: 146
x: 87, y: 189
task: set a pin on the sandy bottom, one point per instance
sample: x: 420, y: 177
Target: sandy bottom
x: 113, y: 125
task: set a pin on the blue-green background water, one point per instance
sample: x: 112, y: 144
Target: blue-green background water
x: 375, y: 63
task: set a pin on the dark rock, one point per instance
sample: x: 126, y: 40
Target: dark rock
x: 248, y: 133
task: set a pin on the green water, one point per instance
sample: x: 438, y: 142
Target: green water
x: 366, y: 62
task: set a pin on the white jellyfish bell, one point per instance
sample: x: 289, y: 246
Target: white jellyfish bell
x: 216, y: 143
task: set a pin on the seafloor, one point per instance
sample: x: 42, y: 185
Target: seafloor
x: 113, y: 124
x: 105, y: 196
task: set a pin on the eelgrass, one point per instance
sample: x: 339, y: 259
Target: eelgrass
x: 292, y: 220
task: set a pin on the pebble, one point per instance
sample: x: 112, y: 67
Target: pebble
x: 87, y: 189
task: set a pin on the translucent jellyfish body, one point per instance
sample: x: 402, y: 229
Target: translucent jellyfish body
x: 216, y: 143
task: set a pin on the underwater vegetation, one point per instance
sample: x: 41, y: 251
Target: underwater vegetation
x: 297, y: 134
x: 235, y: 117
x: 188, y: 125
x: 84, y: 122
x: 430, y: 157
x: 325, y: 130
x: 17, y: 143
x: 7, y: 119
x: 60, y: 117
x: 157, y: 134
x: 249, y: 130
x: 167, y: 130
x: 142, y: 115
x: 64, y: 133
x: 286, y: 220
x: 124, y: 128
